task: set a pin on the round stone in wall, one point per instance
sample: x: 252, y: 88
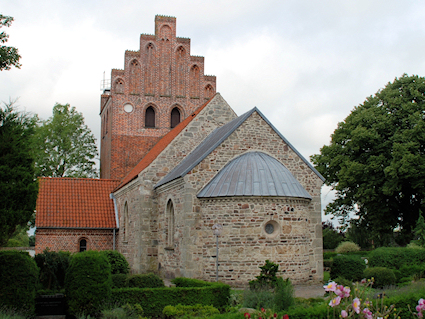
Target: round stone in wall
x: 271, y: 228
x: 128, y: 108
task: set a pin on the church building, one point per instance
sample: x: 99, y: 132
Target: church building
x: 175, y: 161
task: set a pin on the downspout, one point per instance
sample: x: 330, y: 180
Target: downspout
x: 117, y: 221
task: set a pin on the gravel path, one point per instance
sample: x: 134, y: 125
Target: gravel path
x: 311, y: 291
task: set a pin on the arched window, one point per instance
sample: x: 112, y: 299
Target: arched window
x: 150, y: 117
x: 209, y: 91
x: 170, y: 224
x: 83, y: 245
x: 119, y: 86
x: 125, y: 223
x: 175, y: 117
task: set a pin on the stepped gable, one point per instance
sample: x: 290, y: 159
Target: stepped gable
x: 75, y: 203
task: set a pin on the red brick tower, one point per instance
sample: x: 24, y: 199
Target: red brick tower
x: 161, y: 84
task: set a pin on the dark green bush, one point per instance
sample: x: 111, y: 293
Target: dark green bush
x: 178, y: 311
x: 88, y: 283
x: 331, y: 238
x: 382, y: 276
x: 18, y: 279
x: 393, y: 257
x: 189, y: 282
x: 267, y: 278
x: 119, y: 265
x: 119, y: 280
x: 349, y: 267
x: 153, y: 300
x: 327, y: 263
x: 53, y: 266
x: 145, y: 281
x: 283, y: 295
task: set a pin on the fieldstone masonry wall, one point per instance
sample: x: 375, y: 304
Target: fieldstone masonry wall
x: 297, y: 244
x: 141, y: 248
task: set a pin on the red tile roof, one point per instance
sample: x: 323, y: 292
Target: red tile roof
x: 160, y: 146
x: 75, y: 203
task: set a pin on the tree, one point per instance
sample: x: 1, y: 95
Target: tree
x: 376, y: 161
x: 18, y: 187
x: 64, y: 145
x: 419, y: 230
x: 8, y: 55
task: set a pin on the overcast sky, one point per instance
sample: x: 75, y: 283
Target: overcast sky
x: 304, y: 64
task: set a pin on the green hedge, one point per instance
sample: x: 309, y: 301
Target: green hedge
x: 145, y: 281
x: 349, y: 267
x: 88, y: 283
x: 119, y: 265
x: 188, y: 282
x: 153, y: 300
x: 18, y: 279
x: 394, y: 257
x: 382, y: 276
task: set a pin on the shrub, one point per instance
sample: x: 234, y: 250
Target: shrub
x: 327, y: 263
x: 393, y: 257
x: 153, y: 300
x: 178, y: 311
x: 284, y: 295
x: 267, y: 278
x: 88, y: 283
x: 382, y: 276
x: 18, y: 278
x: 53, y: 266
x: 145, y: 281
x: 189, y: 282
x: 119, y: 280
x: 257, y: 299
x: 347, y: 247
x: 349, y: 267
x: 119, y: 265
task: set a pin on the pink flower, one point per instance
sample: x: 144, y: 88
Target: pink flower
x: 356, y: 305
x: 285, y: 317
x: 363, y: 281
x: 344, y: 314
x: 330, y: 286
x: 275, y: 315
x: 263, y: 310
x: 342, y: 291
x: 335, y: 302
x: 247, y: 315
x: 420, y: 315
x: 367, y: 313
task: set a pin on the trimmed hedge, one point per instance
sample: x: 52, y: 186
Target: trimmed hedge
x: 119, y: 265
x: 119, y: 280
x: 188, y: 282
x: 153, y: 300
x: 145, y: 281
x: 197, y: 310
x: 53, y: 266
x: 382, y: 276
x: 88, y: 283
x: 349, y: 267
x: 394, y: 257
x: 18, y: 279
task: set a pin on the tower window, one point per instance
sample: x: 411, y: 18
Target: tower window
x: 150, y: 117
x: 175, y: 117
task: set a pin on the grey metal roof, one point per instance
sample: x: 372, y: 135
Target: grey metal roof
x: 215, y: 139
x: 254, y: 174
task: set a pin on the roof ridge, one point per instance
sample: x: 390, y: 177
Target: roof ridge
x: 78, y: 178
x: 160, y: 146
